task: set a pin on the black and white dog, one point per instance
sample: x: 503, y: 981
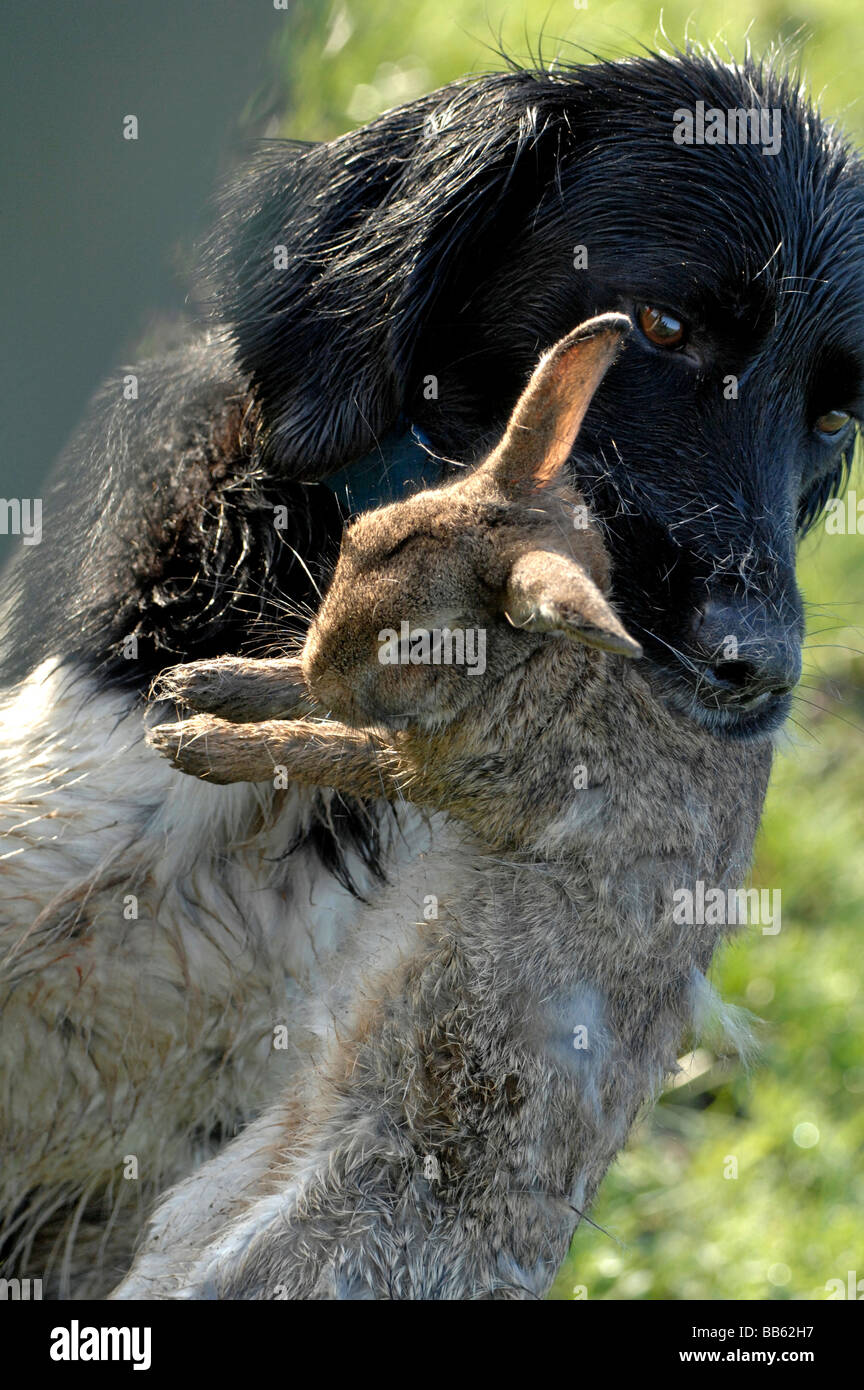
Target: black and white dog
x: 376, y: 304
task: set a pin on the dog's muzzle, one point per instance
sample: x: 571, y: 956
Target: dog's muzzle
x: 744, y: 656
x: 741, y: 665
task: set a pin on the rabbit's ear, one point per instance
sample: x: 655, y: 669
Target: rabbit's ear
x: 548, y: 592
x: 546, y: 419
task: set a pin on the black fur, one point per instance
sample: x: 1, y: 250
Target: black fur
x: 439, y: 240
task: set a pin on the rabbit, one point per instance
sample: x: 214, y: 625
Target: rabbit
x: 479, y: 1081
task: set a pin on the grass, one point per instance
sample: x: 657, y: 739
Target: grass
x: 675, y: 1222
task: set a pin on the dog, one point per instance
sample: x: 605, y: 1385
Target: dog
x: 371, y: 308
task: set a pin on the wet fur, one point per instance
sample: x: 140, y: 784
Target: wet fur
x: 438, y: 239
x: 554, y: 914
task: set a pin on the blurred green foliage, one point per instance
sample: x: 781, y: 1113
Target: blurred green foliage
x: 673, y: 1226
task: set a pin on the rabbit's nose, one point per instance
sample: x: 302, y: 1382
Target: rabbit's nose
x: 744, y: 655
x: 331, y: 692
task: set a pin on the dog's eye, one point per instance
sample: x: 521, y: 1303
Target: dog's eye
x: 833, y: 422
x: 661, y: 328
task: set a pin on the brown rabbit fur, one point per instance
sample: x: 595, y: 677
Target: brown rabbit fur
x: 480, y: 1085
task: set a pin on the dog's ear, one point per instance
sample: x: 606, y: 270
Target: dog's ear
x: 329, y: 262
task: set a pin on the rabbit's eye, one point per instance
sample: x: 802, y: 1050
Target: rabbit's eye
x: 661, y: 328
x: 399, y: 546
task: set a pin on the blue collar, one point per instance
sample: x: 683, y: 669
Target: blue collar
x: 402, y: 462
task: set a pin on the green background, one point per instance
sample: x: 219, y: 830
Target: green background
x: 673, y: 1226
x: 94, y: 232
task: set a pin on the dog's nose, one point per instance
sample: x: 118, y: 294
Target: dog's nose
x: 744, y: 656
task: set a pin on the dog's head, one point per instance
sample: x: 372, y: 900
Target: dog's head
x: 430, y: 257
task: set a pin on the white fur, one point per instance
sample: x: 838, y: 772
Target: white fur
x: 159, y: 1026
